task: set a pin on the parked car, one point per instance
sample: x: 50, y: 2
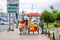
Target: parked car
x: 5, y: 22
x: 1, y: 21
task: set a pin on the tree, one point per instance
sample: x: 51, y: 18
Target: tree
x: 58, y: 16
x: 48, y: 17
x: 52, y: 7
x: 54, y: 12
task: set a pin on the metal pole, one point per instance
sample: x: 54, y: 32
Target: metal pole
x: 17, y: 14
x: 16, y: 23
x: 32, y: 7
x: 16, y: 20
x: 9, y: 29
x: 13, y: 22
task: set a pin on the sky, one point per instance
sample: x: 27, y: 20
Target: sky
x: 38, y: 5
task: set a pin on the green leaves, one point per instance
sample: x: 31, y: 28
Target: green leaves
x: 48, y: 17
x: 52, y: 7
x: 58, y: 16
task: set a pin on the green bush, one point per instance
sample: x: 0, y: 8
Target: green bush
x: 14, y: 22
x: 51, y: 38
x: 57, y: 24
x: 45, y: 27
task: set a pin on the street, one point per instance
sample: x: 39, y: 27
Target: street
x: 14, y: 35
x: 3, y: 28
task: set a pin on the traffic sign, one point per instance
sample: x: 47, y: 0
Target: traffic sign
x: 12, y: 8
x: 13, y: 4
x: 11, y: 11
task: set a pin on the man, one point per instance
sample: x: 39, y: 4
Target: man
x: 42, y: 25
x: 26, y: 21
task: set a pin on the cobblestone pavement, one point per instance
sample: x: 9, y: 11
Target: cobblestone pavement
x: 14, y: 35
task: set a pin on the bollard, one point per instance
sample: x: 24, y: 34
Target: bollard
x: 53, y: 36
x: 48, y: 33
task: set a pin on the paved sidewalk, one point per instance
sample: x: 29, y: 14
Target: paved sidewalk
x: 14, y: 35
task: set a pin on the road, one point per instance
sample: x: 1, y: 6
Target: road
x: 3, y: 28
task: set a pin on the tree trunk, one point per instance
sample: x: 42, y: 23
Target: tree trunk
x: 47, y: 24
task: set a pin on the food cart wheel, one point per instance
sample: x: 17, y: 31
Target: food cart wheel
x: 28, y: 31
x: 38, y: 31
x: 33, y: 32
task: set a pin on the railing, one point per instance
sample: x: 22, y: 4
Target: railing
x: 53, y: 33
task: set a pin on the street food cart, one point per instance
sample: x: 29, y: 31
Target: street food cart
x: 33, y: 27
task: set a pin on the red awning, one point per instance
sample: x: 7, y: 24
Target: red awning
x: 33, y: 14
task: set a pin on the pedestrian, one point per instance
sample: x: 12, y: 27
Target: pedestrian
x: 26, y: 23
x: 24, y: 28
x: 42, y: 26
x: 30, y: 19
x: 20, y: 27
